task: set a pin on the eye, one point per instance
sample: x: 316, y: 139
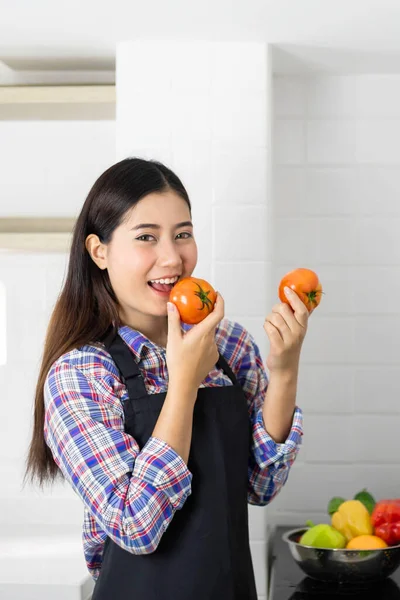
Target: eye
x: 185, y: 233
x: 146, y: 235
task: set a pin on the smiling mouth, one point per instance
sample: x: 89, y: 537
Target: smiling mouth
x: 163, y: 283
x: 164, y: 288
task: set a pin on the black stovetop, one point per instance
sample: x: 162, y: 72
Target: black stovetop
x: 288, y: 582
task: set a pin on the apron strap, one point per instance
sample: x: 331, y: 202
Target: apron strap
x: 223, y: 364
x: 130, y: 372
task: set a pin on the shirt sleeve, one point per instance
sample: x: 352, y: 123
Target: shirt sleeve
x: 131, y: 493
x: 269, y: 461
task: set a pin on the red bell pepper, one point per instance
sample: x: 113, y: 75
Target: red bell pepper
x: 385, y: 519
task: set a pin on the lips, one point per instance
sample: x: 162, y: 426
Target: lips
x: 161, y: 289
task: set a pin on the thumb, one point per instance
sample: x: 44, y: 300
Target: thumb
x: 174, y: 320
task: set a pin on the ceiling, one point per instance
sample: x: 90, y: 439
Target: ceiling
x: 82, y: 35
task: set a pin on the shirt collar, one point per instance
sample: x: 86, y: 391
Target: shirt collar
x: 138, y: 342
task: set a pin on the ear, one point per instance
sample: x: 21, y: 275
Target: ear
x: 97, y: 250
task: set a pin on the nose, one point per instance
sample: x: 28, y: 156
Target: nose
x: 169, y: 255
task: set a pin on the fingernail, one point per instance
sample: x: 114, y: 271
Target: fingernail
x: 287, y: 290
x: 170, y: 307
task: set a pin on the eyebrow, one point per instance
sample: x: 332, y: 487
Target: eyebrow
x: 155, y: 226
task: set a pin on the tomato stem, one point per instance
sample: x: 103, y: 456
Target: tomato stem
x: 312, y: 296
x: 203, y: 295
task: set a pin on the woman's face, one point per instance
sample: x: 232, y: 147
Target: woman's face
x: 154, y: 242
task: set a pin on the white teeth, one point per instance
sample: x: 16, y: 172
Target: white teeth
x: 164, y: 280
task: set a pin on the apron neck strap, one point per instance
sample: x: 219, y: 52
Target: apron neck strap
x: 130, y: 372
x: 126, y: 364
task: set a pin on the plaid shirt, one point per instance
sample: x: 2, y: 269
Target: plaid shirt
x: 131, y: 495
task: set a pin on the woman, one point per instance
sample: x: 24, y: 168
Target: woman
x: 166, y: 431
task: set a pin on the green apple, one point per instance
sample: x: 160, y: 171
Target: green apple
x: 323, y: 536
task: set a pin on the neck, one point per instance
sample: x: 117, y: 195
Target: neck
x: 154, y: 328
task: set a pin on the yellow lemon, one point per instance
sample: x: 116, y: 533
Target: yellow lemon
x: 366, y: 542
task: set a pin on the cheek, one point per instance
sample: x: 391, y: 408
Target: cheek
x: 190, y: 255
x: 128, y: 262
x: 140, y: 262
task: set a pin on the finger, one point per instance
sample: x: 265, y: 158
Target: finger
x: 174, y: 321
x: 280, y: 324
x: 287, y: 314
x: 219, y: 307
x: 273, y: 333
x: 216, y: 353
x: 275, y: 324
x: 299, y: 308
x: 211, y: 321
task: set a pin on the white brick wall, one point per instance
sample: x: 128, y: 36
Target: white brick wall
x: 337, y: 210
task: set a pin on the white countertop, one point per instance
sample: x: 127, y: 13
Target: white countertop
x: 43, y: 562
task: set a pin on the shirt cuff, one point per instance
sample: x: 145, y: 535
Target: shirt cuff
x: 267, y: 451
x: 160, y: 466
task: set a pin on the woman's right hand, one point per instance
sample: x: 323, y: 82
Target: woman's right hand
x: 191, y: 355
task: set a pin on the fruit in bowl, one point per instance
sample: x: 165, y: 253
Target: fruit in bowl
x: 352, y: 519
x: 322, y: 536
x: 366, y: 542
x: 385, y: 519
x: 362, y: 543
x: 342, y: 565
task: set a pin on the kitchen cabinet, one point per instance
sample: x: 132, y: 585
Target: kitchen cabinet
x: 38, y: 234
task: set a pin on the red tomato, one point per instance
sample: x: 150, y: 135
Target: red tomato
x: 306, y: 285
x: 194, y: 299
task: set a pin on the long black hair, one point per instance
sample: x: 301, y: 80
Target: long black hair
x: 87, y: 307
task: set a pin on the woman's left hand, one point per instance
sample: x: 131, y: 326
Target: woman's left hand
x: 286, y: 327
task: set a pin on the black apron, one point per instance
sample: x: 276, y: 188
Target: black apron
x: 204, y: 554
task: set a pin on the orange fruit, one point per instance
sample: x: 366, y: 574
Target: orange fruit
x: 366, y: 542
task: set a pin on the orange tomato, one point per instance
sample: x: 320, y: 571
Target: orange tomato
x: 366, y: 542
x: 306, y: 285
x: 194, y: 299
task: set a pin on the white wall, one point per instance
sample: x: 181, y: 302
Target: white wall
x: 212, y: 126
x: 221, y: 154
x: 47, y: 168
x: 337, y: 211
